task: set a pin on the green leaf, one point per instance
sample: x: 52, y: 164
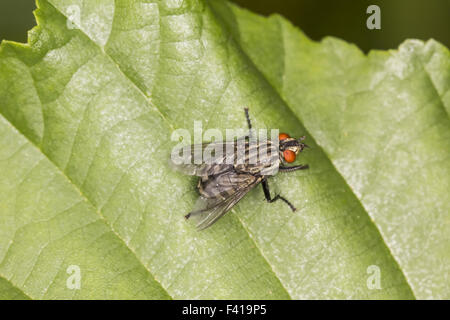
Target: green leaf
x: 8, y: 292
x: 382, y: 120
x: 86, y: 118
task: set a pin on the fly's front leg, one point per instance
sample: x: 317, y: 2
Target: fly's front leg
x: 249, y: 123
x: 266, y: 190
x: 293, y: 168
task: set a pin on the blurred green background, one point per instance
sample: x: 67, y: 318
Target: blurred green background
x: 346, y: 19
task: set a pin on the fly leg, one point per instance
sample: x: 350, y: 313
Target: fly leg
x: 266, y: 190
x: 293, y: 168
x: 249, y: 123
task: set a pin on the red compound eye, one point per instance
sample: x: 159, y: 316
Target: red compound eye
x: 283, y: 136
x: 289, y: 156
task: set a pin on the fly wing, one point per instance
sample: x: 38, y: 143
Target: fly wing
x: 230, y: 187
x: 206, y: 159
x: 212, y: 159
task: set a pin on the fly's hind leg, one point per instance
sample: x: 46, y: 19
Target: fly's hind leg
x: 269, y: 199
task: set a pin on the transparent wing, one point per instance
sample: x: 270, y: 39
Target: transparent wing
x: 208, y: 210
x: 211, y: 159
x: 204, y: 159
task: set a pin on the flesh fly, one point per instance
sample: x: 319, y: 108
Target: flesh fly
x: 237, y: 168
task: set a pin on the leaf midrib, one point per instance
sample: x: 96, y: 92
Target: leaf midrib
x: 150, y: 102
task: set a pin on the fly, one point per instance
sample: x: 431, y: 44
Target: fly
x: 223, y: 183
